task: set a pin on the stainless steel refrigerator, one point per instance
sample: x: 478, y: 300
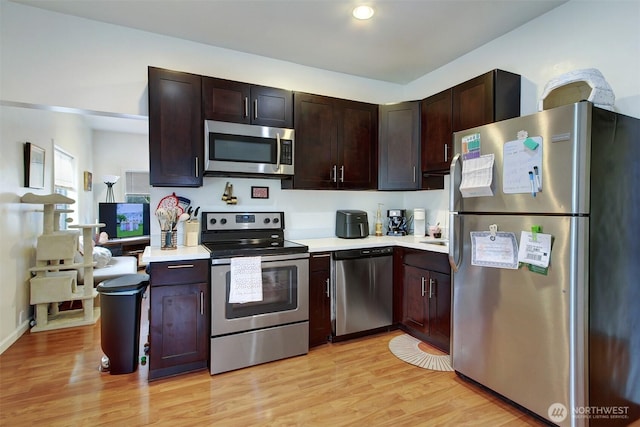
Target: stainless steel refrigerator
x: 561, y: 341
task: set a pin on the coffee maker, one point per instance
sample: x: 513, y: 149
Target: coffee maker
x: 397, y: 222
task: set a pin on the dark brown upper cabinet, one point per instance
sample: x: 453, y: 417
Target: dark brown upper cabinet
x: 176, y: 130
x: 437, y: 131
x: 488, y: 98
x: 399, y: 147
x: 336, y: 144
x: 231, y: 101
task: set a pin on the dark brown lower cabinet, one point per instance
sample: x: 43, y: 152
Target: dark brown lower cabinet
x: 179, y: 318
x: 426, y: 312
x: 319, y: 298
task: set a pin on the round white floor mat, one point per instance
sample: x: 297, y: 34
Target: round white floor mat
x: 413, y: 351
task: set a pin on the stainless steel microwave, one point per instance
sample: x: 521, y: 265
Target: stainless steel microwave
x: 234, y: 148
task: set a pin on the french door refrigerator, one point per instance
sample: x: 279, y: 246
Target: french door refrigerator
x: 561, y: 340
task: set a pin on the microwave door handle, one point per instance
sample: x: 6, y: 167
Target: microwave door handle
x: 279, y: 148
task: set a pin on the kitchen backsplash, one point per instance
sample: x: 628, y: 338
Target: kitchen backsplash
x: 308, y: 213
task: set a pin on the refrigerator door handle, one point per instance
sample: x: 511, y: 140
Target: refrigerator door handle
x: 455, y: 172
x: 455, y: 241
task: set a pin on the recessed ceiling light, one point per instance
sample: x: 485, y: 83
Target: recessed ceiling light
x: 363, y: 12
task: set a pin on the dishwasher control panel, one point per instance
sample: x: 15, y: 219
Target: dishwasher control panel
x: 376, y: 251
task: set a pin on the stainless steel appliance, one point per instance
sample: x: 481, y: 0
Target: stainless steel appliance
x: 352, y: 224
x: 562, y: 342
x: 397, y: 222
x: 277, y: 326
x: 362, y: 290
x: 233, y: 148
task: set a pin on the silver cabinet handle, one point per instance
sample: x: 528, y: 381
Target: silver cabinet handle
x: 446, y: 152
x: 255, y: 108
x: 422, y: 284
x: 430, y: 288
x: 201, y: 303
x: 334, y: 173
x: 197, y: 170
x: 180, y: 266
x: 414, y: 174
x: 328, y: 288
x: 246, y: 106
x: 342, y: 173
x: 320, y: 255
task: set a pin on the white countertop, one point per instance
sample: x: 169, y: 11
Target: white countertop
x: 328, y: 244
x: 336, y: 244
x: 181, y: 253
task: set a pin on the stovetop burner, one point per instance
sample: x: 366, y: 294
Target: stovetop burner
x: 228, y: 234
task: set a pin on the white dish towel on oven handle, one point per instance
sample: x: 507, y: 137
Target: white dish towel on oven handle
x: 246, y: 280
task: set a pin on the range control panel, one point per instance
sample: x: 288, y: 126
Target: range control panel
x: 232, y: 221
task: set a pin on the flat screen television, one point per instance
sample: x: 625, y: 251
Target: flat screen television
x: 124, y: 219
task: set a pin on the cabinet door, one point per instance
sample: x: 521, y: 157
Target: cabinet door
x: 439, y: 293
x: 178, y: 328
x: 316, y: 145
x: 357, y: 124
x: 399, y: 147
x: 488, y: 98
x: 237, y: 102
x: 176, y: 130
x: 473, y: 103
x: 415, y: 313
x: 437, y: 132
x: 271, y: 107
x: 319, y: 299
x: 226, y: 100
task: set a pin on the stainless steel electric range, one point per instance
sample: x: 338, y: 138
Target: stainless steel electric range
x: 277, y: 325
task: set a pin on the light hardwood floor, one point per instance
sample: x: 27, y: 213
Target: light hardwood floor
x: 52, y: 379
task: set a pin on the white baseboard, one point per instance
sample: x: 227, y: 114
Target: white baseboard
x: 14, y: 336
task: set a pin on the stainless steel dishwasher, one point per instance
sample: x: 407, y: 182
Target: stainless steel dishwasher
x: 362, y: 290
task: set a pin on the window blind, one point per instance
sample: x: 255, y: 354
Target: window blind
x: 137, y: 183
x: 63, y: 169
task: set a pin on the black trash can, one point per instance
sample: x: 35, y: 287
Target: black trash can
x: 121, y: 302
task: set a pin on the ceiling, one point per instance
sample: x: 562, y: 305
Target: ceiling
x: 404, y: 40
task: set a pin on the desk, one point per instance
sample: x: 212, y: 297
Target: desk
x: 128, y: 246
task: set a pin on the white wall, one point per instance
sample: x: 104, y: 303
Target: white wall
x: 115, y: 153
x: 103, y: 67
x: 22, y: 223
x: 52, y: 59
x: 579, y: 34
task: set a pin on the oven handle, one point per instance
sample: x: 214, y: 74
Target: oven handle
x: 265, y: 258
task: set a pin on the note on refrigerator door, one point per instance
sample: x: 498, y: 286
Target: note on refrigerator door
x: 522, y: 166
x: 471, y: 146
x: 477, y: 176
x: 535, y: 249
x: 498, y: 250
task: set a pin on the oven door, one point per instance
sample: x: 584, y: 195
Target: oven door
x: 285, y: 289
x: 240, y: 148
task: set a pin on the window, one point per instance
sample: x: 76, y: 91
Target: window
x: 137, y: 187
x: 64, y: 182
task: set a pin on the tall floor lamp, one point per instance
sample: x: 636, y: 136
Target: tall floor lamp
x: 109, y: 180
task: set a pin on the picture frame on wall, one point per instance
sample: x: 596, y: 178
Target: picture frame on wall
x: 259, y: 192
x: 33, y: 165
x: 88, y: 181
